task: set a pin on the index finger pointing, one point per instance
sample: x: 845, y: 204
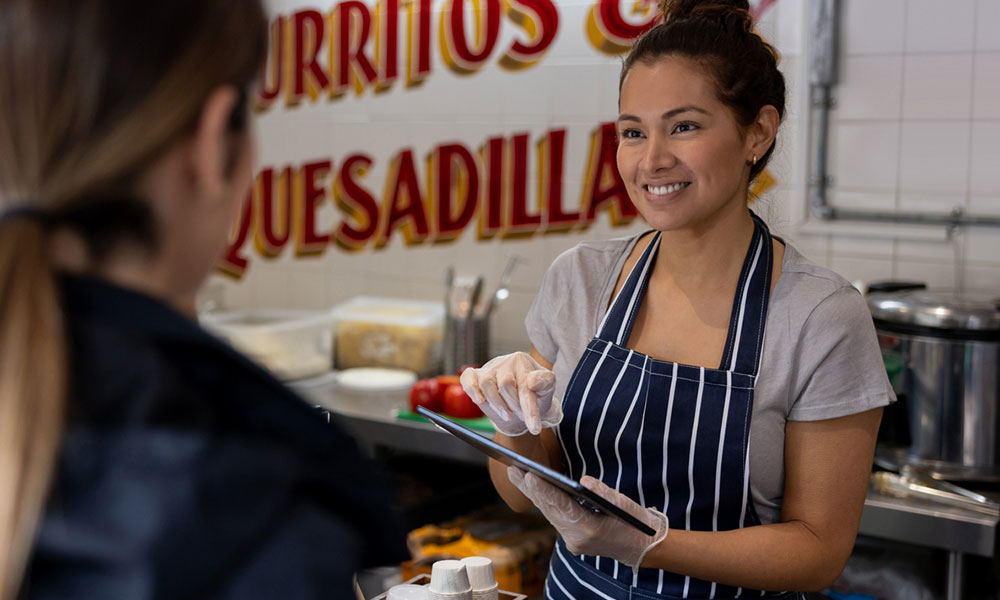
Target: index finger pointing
x: 529, y: 408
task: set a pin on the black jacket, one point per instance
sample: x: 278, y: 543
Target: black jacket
x: 186, y: 471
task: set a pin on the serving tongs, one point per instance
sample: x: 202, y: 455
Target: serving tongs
x: 912, y: 483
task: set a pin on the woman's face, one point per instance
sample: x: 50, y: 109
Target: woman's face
x: 681, y: 153
x: 240, y: 180
x: 225, y: 182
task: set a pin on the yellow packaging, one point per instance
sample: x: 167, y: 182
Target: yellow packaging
x: 391, y: 333
x: 520, y: 547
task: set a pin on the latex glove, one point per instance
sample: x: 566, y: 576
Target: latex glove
x: 515, y: 392
x: 587, y: 532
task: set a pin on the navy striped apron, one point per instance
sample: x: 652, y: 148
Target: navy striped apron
x: 671, y: 436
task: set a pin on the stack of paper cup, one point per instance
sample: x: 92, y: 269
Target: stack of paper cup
x: 407, y: 591
x: 449, y: 581
x: 484, y: 583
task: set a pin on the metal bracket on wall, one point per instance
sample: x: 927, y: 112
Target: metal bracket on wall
x: 823, y: 51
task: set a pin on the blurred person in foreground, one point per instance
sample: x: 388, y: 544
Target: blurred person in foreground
x: 139, y: 456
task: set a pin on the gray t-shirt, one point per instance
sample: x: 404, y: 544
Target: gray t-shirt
x: 820, y: 359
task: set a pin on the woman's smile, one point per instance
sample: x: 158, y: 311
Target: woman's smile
x: 664, y: 191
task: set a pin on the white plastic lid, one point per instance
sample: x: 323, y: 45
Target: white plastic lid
x: 374, y: 379
x: 265, y: 319
x: 407, y: 591
x: 396, y: 311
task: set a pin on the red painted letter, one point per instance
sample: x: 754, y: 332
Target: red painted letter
x: 491, y: 213
x: 233, y: 262
x: 456, y: 49
x: 603, y: 183
x: 354, y: 66
x: 540, y: 19
x: 356, y: 202
x: 404, y: 202
x: 551, y: 153
x: 308, y: 241
x: 521, y: 221
x: 457, y: 172
x: 308, y: 27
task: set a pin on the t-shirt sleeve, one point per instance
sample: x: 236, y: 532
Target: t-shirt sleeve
x: 839, y: 367
x: 542, y: 314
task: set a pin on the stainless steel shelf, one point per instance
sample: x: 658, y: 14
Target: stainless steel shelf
x: 369, y: 416
x: 929, y: 524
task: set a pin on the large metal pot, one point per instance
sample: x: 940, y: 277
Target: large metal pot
x: 946, y: 345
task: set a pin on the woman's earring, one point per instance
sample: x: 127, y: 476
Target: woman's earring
x: 754, y: 159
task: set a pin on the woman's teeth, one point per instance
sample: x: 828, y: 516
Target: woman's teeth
x: 663, y: 190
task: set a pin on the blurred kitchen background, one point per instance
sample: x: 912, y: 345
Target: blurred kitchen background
x: 914, y: 127
x: 887, y: 168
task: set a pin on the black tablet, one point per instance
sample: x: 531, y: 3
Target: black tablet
x: 584, y: 496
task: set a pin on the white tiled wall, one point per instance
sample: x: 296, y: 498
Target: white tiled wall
x: 916, y: 127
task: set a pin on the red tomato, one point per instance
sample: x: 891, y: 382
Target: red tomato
x: 426, y: 393
x: 464, y: 367
x: 446, y: 380
x: 458, y: 404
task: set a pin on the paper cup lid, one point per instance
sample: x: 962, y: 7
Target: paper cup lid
x: 480, y: 571
x: 449, y: 577
x: 407, y: 591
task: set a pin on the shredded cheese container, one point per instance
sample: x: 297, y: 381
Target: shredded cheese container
x: 389, y: 332
x: 292, y: 344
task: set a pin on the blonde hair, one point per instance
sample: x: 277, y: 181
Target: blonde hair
x: 93, y: 91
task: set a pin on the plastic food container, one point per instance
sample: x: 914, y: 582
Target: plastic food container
x: 292, y: 344
x: 389, y: 332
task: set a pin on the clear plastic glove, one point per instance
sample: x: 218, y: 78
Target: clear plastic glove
x: 515, y: 392
x: 587, y: 532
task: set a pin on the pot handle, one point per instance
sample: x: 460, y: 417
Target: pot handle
x: 895, y: 286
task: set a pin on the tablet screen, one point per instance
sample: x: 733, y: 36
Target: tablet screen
x: 507, y: 456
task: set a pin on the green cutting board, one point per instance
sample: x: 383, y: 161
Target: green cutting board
x: 480, y: 424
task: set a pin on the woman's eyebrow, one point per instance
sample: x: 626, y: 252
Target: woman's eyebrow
x: 689, y: 108
x: 667, y: 115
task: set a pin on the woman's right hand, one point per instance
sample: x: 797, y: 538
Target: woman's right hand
x: 515, y: 392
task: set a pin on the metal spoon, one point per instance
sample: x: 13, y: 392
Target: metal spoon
x: 503, y: 291
x: 449, y: 282
x: 477, y: 291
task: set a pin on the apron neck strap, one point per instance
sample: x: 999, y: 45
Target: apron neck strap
x: 746, y: 325
x: 617, y: 324
x: 753, y: 291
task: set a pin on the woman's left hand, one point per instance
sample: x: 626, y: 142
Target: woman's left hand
x: 587, y: 532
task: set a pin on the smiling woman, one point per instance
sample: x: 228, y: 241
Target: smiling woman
x: 700, y: 366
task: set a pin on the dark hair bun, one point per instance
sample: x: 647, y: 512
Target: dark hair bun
x: 677, y: 10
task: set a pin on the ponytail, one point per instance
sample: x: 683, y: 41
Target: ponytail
x: 93, y: 93
x: 33, y: 386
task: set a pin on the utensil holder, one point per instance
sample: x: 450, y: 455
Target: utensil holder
x: 466, y: 341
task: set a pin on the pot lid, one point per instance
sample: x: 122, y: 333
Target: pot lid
x: 939, y: 309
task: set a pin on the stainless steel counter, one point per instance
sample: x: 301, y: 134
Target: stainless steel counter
x: 370, y: 417
x: 929, y: 524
